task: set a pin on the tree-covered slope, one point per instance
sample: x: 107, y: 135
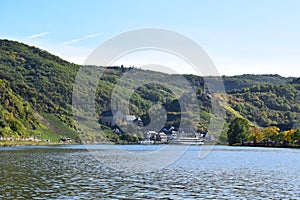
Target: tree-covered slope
x: 17, y: 118
x: 43, y: 79
x: 251, y: 80
x: 268, y: 104
x: 44, y: 83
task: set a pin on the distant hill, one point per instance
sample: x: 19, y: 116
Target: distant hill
x: 295, y: 81
x: 268, y: 104
x: 250, y: 80
x: 43, y: 83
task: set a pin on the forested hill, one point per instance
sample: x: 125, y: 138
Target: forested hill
x: 36, y: 87
x: 44, y: 80
x: 250, y: 80
x: 268, y: 104
x: 16, y: 115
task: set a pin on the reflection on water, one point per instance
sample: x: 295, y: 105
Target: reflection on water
x: 71, y: 172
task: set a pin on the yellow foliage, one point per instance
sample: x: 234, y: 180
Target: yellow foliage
x: 270, y: 132
x: 287, y: 135
x: 255, y: 134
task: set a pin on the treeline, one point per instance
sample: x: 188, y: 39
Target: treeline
x: 240, y: 132
x: 233, y: 83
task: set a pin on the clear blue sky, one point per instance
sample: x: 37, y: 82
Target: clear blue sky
x: 257, y: 36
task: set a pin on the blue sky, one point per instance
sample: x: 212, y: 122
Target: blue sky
x: 258, y: 36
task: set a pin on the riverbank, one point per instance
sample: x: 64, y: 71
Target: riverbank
x: 294, y: 146
x: 5, y: 143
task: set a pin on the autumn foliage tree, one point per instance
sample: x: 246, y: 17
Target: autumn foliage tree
x: 255, y: 135
x: 296, y: 136
x: 270, y: 133
x: 287, y: 135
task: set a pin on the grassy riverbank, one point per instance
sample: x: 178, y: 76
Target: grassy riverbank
x: 26, y: 143
x: 268, y: 145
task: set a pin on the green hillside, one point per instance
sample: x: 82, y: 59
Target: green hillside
x: 251, y: 80
x: 42, y: 79
x: 268, y: 104
x: 37, y: 88
x: 18, y: 119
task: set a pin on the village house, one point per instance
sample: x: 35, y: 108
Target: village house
x: 114, y: 117
x: 163, y: 137
x: 160, y: 137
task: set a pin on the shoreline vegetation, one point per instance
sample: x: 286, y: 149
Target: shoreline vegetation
x: 241, y: 133
x: 7, y: 143
x: 292, y: 146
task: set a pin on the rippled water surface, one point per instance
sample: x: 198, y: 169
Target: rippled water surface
x: 72, y: 172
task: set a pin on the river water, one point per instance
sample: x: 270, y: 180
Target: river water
x: 73, y: 172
